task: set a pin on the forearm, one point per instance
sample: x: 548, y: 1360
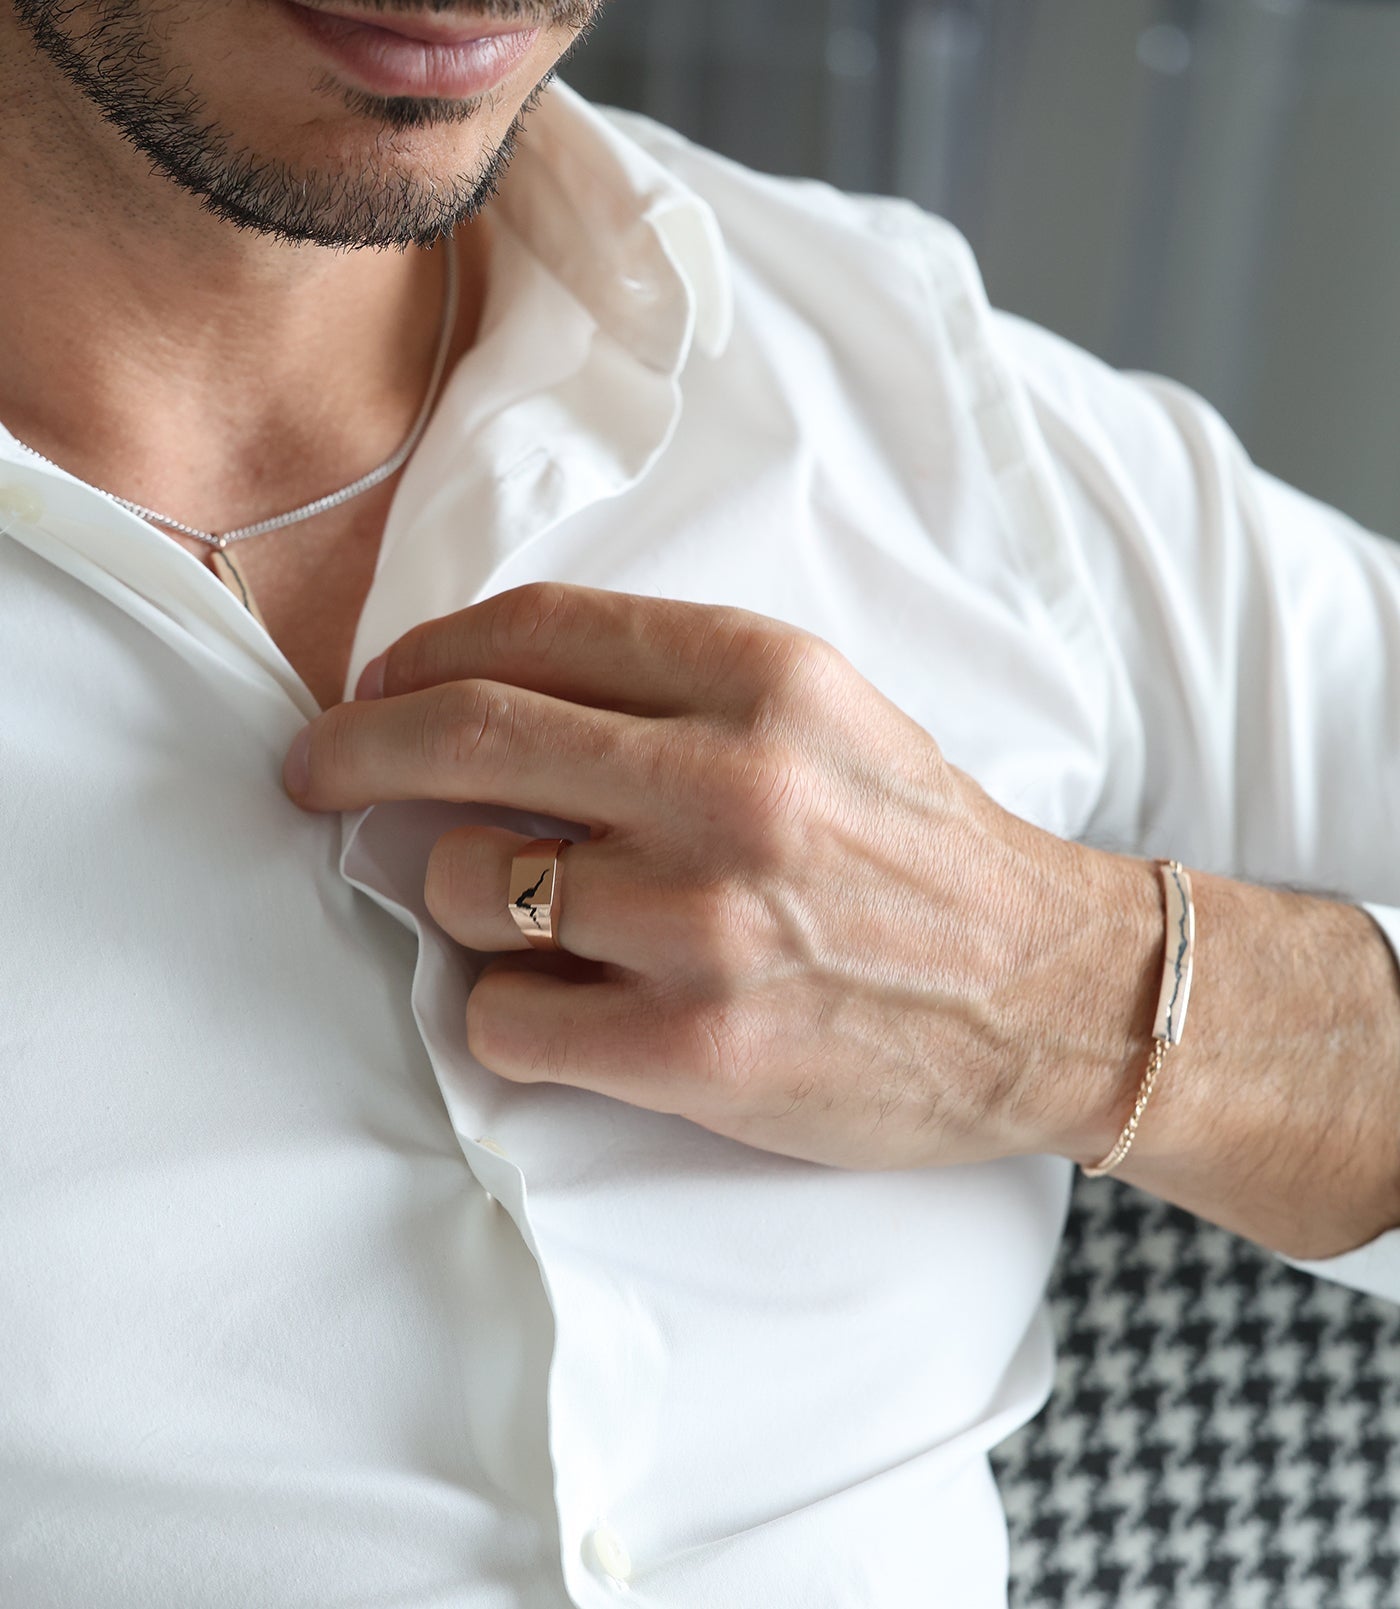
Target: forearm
x: 1278, y: 1116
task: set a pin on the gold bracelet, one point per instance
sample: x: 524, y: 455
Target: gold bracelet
x: 1171, y: 1003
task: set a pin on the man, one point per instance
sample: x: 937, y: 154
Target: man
x: 396, y: 1211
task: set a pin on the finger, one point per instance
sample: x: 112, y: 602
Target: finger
x: 613, y: 650
x: 482, y: 742
x: 601, y: 911
x: 546, y: 1019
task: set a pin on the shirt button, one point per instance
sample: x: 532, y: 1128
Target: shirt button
x: 644, y: 290
x: 21, y: 504
x: 606, y: 1551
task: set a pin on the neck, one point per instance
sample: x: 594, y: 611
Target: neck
x: 213, y: 373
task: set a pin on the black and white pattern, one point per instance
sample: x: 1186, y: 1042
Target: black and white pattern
x: 1224, y: 1431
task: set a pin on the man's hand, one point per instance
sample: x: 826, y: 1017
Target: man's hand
x: 794, y: 923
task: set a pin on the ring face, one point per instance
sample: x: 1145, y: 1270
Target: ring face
x: 534, y: 891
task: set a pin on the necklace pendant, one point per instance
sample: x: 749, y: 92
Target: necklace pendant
x: 220, y: 543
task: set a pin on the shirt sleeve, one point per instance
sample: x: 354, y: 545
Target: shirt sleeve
x: 1253, y: 639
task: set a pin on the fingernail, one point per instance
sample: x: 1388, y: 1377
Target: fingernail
x: 296, y: 768
x: 371, y: 682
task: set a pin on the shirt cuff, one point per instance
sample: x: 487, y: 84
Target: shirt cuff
x: 1374, y: 1267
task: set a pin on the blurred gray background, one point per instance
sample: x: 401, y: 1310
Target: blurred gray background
x: 1204, y: 188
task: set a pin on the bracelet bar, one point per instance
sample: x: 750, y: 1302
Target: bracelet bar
x: 1179, y: 959
x: 1179, y: 951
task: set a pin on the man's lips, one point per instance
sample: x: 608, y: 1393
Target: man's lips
x: 435, y: 28
x: 395, y: 54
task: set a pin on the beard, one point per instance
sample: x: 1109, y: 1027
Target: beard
x: 113, y: 58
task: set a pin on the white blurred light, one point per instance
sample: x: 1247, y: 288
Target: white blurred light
x: 1164, y: 49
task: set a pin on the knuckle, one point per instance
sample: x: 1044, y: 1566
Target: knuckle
x: 757, y: 639
x: 466, y: 725
x: 713, y: 1045
x: 531, y: 616
x: 744, y: 645
x: 770, y: 802
x: 715, y: 933
x: 667, y: 762
x: 800, y: 676
x: 773, y: 788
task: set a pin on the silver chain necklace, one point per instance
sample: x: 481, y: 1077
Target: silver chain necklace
x: 391, y: 466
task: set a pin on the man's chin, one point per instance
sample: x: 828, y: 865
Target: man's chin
x: 391, y: 176
x: 346, y: 209
x: 315, y: 161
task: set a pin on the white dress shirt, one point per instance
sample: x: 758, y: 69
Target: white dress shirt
x: 300, y: 1305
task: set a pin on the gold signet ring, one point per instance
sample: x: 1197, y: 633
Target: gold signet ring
x: 534, y: 891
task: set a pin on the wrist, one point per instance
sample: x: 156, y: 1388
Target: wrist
x: 1277, y: 1114
x: 1103, y: 1036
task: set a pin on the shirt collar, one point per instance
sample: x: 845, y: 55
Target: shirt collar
x: 640, y: 249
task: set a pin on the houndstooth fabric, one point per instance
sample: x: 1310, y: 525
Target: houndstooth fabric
x: 1224, y: 1431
